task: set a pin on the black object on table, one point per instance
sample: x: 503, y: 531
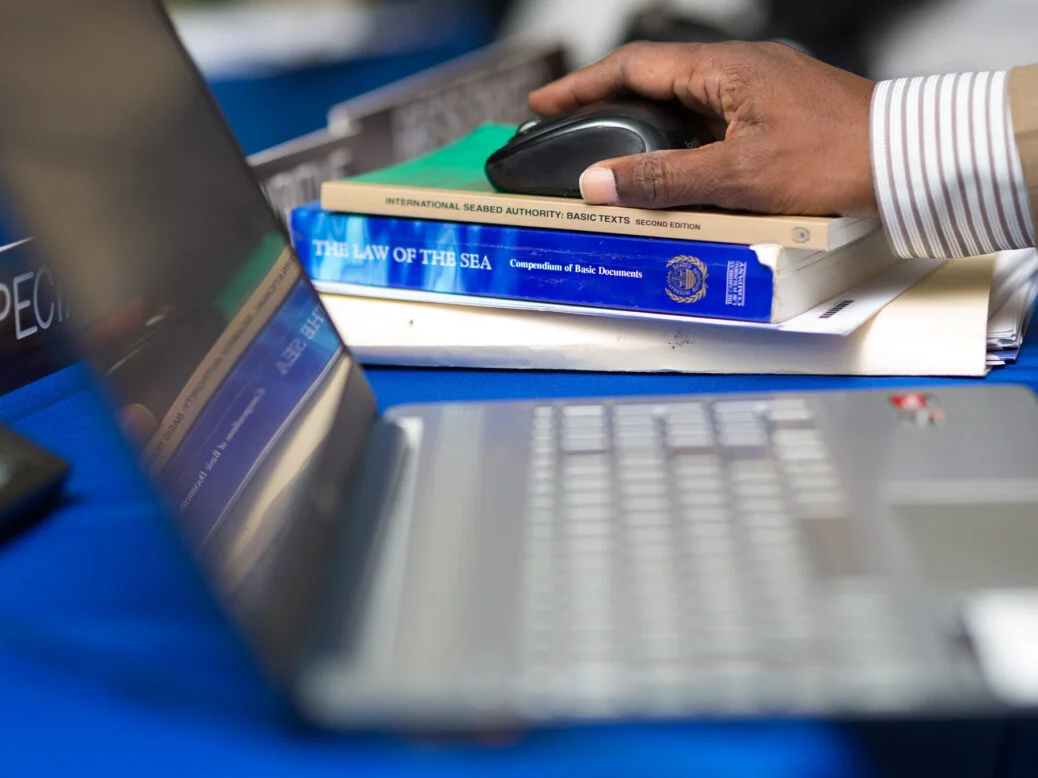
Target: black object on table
x: 30, y: 482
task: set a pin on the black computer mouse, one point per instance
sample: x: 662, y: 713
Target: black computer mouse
x: 547, y: 156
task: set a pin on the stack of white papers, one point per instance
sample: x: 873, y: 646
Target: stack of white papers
x: 1014, y: 291
x: 938, y: 327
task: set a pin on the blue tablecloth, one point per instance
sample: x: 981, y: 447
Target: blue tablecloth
x: 112, y: 656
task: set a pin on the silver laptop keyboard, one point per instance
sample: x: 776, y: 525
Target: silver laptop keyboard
x: 669, y: 537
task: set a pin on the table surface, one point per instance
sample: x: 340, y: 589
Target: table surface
x: 110, y: 652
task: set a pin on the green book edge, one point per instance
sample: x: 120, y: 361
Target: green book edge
x: 458, y: 166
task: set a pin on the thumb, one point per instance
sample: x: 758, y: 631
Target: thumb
x: 663, y: 179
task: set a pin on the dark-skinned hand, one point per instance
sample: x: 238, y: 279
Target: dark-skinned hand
x: 792, y: 133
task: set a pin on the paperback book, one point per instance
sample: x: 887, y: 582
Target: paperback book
x: 517, y: 265
x: 936, y: 326
x: 450, y: 184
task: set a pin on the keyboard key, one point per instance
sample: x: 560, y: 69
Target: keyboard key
x: 599, y: 511
x: 743, y: 441
x: 739, y: 406
x: 705, y: 514
x: 753, y: 472
x: 688, y: 423
x: 637, y: 442
x: 542, y: 471
x: 645, y: 503
x: 589, y: 529
x: 576, y: 548
x: 779, y: 416
x: 685, y: 409
x: 576, y: 411
x: 586, y: 463
x: 690, y: 440
x: 643, y: 488
x: 586, y: 444
x: 587, y: 499
x: 703, y: 496
x: 763, y: 487
x: 644, y: 476
x: 587, y: 483
x: 621, y: 410
x: 648, y: 534
x: 634, y: 424
x: 759, y: 505
x: 708, y: 477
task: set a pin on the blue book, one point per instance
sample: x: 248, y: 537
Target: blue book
x: 542, y: 268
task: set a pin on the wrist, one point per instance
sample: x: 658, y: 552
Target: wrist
x: 945, y: 167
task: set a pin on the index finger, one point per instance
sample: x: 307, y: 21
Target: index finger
x: 657, y: 71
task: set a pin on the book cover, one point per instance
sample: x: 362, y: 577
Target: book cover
x: 450, y: 184
x: 655, y: 275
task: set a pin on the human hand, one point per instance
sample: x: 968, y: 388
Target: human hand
x: 110, y: 340
x: 792, y: 132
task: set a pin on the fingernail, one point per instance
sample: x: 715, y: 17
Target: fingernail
x: 598, y: 186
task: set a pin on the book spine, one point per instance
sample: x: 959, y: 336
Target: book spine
x: 557, y: 213
x: 605, y: 271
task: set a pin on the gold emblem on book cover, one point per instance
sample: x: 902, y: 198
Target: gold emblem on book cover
x: 686, y: 279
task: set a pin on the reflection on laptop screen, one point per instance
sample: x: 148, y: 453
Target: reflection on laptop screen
x: 225, y: 369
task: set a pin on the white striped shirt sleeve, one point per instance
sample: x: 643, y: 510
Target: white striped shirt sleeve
x: 946, y: 166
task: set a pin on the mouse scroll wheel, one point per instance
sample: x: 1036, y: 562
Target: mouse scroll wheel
x: 527, y: 126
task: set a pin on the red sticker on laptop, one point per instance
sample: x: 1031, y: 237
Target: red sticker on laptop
x: 916, y: 409
x: 910, y: 401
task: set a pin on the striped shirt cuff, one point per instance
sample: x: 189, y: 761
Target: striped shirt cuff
x: 946, y: 166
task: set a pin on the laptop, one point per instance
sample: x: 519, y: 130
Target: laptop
x: 835, y: 554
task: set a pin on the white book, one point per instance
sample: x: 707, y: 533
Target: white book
x: 937, y: 327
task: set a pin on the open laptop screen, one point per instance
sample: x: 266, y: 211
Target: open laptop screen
x: 225, y: 369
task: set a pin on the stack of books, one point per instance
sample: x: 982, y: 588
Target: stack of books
x: 423, y: 263
x: 433, y: 229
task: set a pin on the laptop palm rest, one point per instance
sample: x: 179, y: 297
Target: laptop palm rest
x: 977, y: 558
x: 965, y: 546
